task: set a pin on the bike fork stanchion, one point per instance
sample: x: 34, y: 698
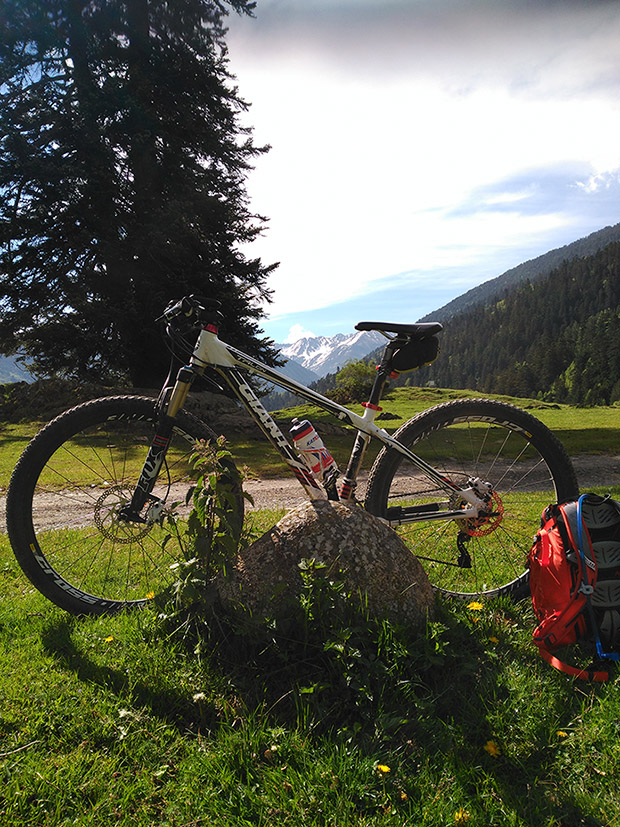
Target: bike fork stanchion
x: 158, y: 449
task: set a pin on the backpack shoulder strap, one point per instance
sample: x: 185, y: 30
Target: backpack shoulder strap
x: 577, y: 530
x: 584, y: 674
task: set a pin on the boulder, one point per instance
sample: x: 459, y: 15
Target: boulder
x: 354, y: 546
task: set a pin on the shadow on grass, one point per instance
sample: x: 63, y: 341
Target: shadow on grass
x: 428, y: 702
x: 479, y: 701
x: 13, y: 446
x: 432, y: 703
x: 590, y: 440
x: 171, y: 705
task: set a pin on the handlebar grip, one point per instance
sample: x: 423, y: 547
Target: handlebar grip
x: 190, y: 306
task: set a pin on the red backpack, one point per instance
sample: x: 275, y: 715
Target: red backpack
x: 571, y: 602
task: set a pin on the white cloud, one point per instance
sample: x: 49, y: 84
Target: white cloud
x: 369, y: 197
x: 508, y: 197
x: 387, y: 125
x: 600, y: 181
x: 298, y: 332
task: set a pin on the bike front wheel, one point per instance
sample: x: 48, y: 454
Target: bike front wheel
x: 526, y: 466
x: 65, y: 496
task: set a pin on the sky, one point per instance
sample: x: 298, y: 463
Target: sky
x: 422, y: 147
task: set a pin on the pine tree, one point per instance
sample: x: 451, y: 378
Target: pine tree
x: 122, y: 173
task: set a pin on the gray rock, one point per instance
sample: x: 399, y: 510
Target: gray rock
x: 371, y: 556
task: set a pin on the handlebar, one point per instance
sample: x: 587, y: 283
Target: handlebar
x: 193, y: 309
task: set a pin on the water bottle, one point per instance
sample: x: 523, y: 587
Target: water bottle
x: 312, y: 450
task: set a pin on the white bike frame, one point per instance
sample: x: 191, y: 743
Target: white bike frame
x: 232, y: 364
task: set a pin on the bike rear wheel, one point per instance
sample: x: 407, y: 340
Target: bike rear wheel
x: 500, y: 444
x: 64, y: 498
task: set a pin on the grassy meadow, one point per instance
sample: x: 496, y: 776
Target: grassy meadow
x: 129, y: 720
x: 581, y: 430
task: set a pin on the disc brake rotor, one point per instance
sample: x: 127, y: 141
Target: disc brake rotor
x: 106, y: 517
x: 486, y: 523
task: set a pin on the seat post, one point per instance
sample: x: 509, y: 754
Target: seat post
x: 383, y: 374
x: 349, y: 483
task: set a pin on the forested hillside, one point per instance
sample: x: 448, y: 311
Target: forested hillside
x: 533, y: 269
x: 557, y: 338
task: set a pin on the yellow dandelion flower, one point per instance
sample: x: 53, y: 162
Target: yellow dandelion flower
x: 492, y: 748
x: 109, y: 638
x: 403, y: 795
x: 150, y: 595
x: 383, y: 769
x: 475, y: 606
x: 561, y: 734
x: 461, y: 816
x: 494, y: 639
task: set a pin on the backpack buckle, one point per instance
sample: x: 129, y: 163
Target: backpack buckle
x: 586, y: 589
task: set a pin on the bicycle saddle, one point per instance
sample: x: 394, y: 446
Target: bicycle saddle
x: 421, y: 330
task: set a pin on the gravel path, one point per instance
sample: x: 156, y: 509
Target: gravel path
x: 287, y: 493
x: 591, y: 471
x: 596, y: 470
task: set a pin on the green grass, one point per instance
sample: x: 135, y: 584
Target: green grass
x: 107, y: 721
x: 119, y: 720
x: 499, y: 557
x: 13, y: 440
x: 581, y: 430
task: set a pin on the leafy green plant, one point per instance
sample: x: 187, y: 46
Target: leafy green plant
x: 215, y: 532
x: 106, y: 720
x: 336, y: 718
x: 353, y: 382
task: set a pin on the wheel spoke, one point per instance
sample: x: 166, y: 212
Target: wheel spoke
x: 468, y: 439
x: 67, y: 532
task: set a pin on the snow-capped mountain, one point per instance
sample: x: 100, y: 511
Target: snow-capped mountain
x: 326, y: 354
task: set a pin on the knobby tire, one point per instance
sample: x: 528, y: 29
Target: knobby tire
x: 64, y: 496
x: 498, y: 443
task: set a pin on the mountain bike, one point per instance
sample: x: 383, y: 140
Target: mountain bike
x: 91, y: 499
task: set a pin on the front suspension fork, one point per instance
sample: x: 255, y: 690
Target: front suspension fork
x: 131, y: 511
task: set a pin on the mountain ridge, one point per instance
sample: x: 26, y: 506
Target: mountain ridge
x: 310, y: 359
x: 532, y: 269
x: 11, y: 370
x: 326, y: 354
x: 556, y: 338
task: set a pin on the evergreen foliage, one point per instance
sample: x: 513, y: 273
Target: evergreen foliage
x: 122, y: 169
x: 353, y: 382
x: 557, y: 339
x: 536, y: 268
x: 277, y: 399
